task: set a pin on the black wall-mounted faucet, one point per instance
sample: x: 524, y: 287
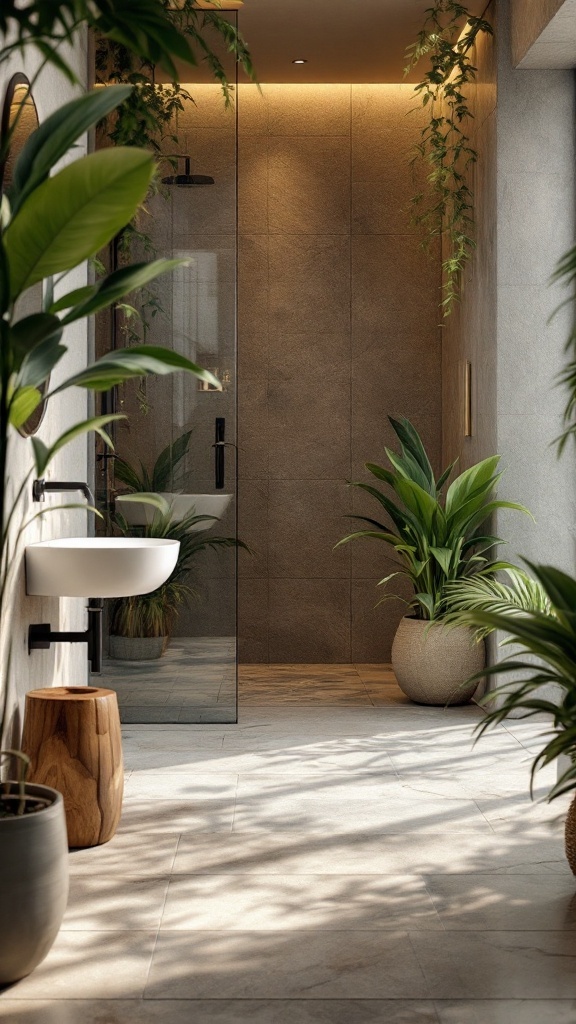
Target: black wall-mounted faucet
x: 42, y: 487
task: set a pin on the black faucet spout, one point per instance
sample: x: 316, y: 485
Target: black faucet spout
x: 42, y: 487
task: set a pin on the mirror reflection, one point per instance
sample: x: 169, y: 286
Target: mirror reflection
x: 19, y: 121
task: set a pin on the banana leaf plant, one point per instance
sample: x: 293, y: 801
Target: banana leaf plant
x: 438, y: 532
x: 50, y: 223
x: 544, y: 639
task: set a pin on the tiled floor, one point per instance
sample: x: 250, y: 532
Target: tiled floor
x: 193, y: 681
x: 339, y: 857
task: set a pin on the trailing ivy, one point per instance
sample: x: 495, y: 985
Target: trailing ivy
x: 446, y: 209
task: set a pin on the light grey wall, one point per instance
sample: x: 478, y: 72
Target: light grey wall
x: 536, y: 220
x: 338, y: 328
x: 524, y: 187
x: 64, y: 664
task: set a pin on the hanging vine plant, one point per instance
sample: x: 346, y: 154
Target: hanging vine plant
x: 445, y: 210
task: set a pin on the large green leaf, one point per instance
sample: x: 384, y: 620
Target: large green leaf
x: 44, y: 454
x: 168, y: 460
x: 469, y: 481
x: 57, y: 133
x: 412, y: 442
x: 138, y: 361
x: 74, y: 214
x: 38, y: 364
x: 22, y: 404
x: 114, y: 287
x: 26, y: 334
x: 418, y: 501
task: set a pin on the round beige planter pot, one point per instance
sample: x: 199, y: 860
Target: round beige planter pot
x: 432, y: 662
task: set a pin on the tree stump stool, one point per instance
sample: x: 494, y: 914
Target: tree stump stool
x: 72, y: 737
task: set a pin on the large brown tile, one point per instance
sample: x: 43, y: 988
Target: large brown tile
x: 391, y: 111
x: 309, y: 283
x: 383, y: 188
x: 384, y: 269
x: 305, y: 523
x: 252, y: 110
x: 253, y: 429
x: 308, y: 109
x: 253, y: 620
x: 309, y: 620
x: 253, y: 528
x: 309, y: 185
x: 252, y: 184
x: 309, y: 357
x: 372, y: 628
x: 252, y: 286
x: 207, y: 111
x: 309, y: 430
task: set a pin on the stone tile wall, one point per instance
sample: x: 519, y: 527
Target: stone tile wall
x: 338, y: 328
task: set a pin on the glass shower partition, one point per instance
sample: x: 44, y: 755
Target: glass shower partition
x: 185, y: 429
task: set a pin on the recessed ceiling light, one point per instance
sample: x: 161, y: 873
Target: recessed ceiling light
x: 299, y: 60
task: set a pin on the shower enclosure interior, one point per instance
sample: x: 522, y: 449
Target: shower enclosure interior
x: 193, y: 311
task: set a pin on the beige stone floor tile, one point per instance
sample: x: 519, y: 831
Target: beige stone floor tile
x: 512, y: 964
x: 114, y: 902
x: 180, y: 786
x: 165, y: 816
x: 84, y: 965
x: 307, y: 902
x: 139, y: 853
x: 316, y: 804
x: 479, y: 902
x: 358, y: 852
x: 506, y: 1011
x: 221, y: 1011
x: 286, y: 965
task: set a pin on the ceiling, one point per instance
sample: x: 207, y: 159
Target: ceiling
x: 357, y: 41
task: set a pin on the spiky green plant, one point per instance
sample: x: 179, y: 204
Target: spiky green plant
x: 147, y: 615
x: 160, y: 477
x: 437, y: 537
x: 545, y: 653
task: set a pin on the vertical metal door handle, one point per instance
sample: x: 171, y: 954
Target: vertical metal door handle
x: 219, y: 452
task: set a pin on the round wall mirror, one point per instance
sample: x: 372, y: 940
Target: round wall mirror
x: 20, y: 119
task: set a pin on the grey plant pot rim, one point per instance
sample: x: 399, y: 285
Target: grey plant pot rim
x: 34, y: 789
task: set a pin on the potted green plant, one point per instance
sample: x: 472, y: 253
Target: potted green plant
x: 50, y: 223
x: 541, y: 626
x: 140, y: 627
x: 438, y: 534
x: 138, y: 479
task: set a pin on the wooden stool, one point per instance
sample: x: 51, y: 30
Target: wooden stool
x: 72, y: 737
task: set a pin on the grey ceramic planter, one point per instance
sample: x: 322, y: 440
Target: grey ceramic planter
x: 33, y: 884
x: 145, y: 648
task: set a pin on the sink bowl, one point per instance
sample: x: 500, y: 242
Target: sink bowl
x: 99, y: 566
x: 214, y: 505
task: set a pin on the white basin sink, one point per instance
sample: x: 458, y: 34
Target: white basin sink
x: 138, y: 514
x: 99, y: 566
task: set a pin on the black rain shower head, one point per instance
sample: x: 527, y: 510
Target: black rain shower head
x: 187, y: 180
